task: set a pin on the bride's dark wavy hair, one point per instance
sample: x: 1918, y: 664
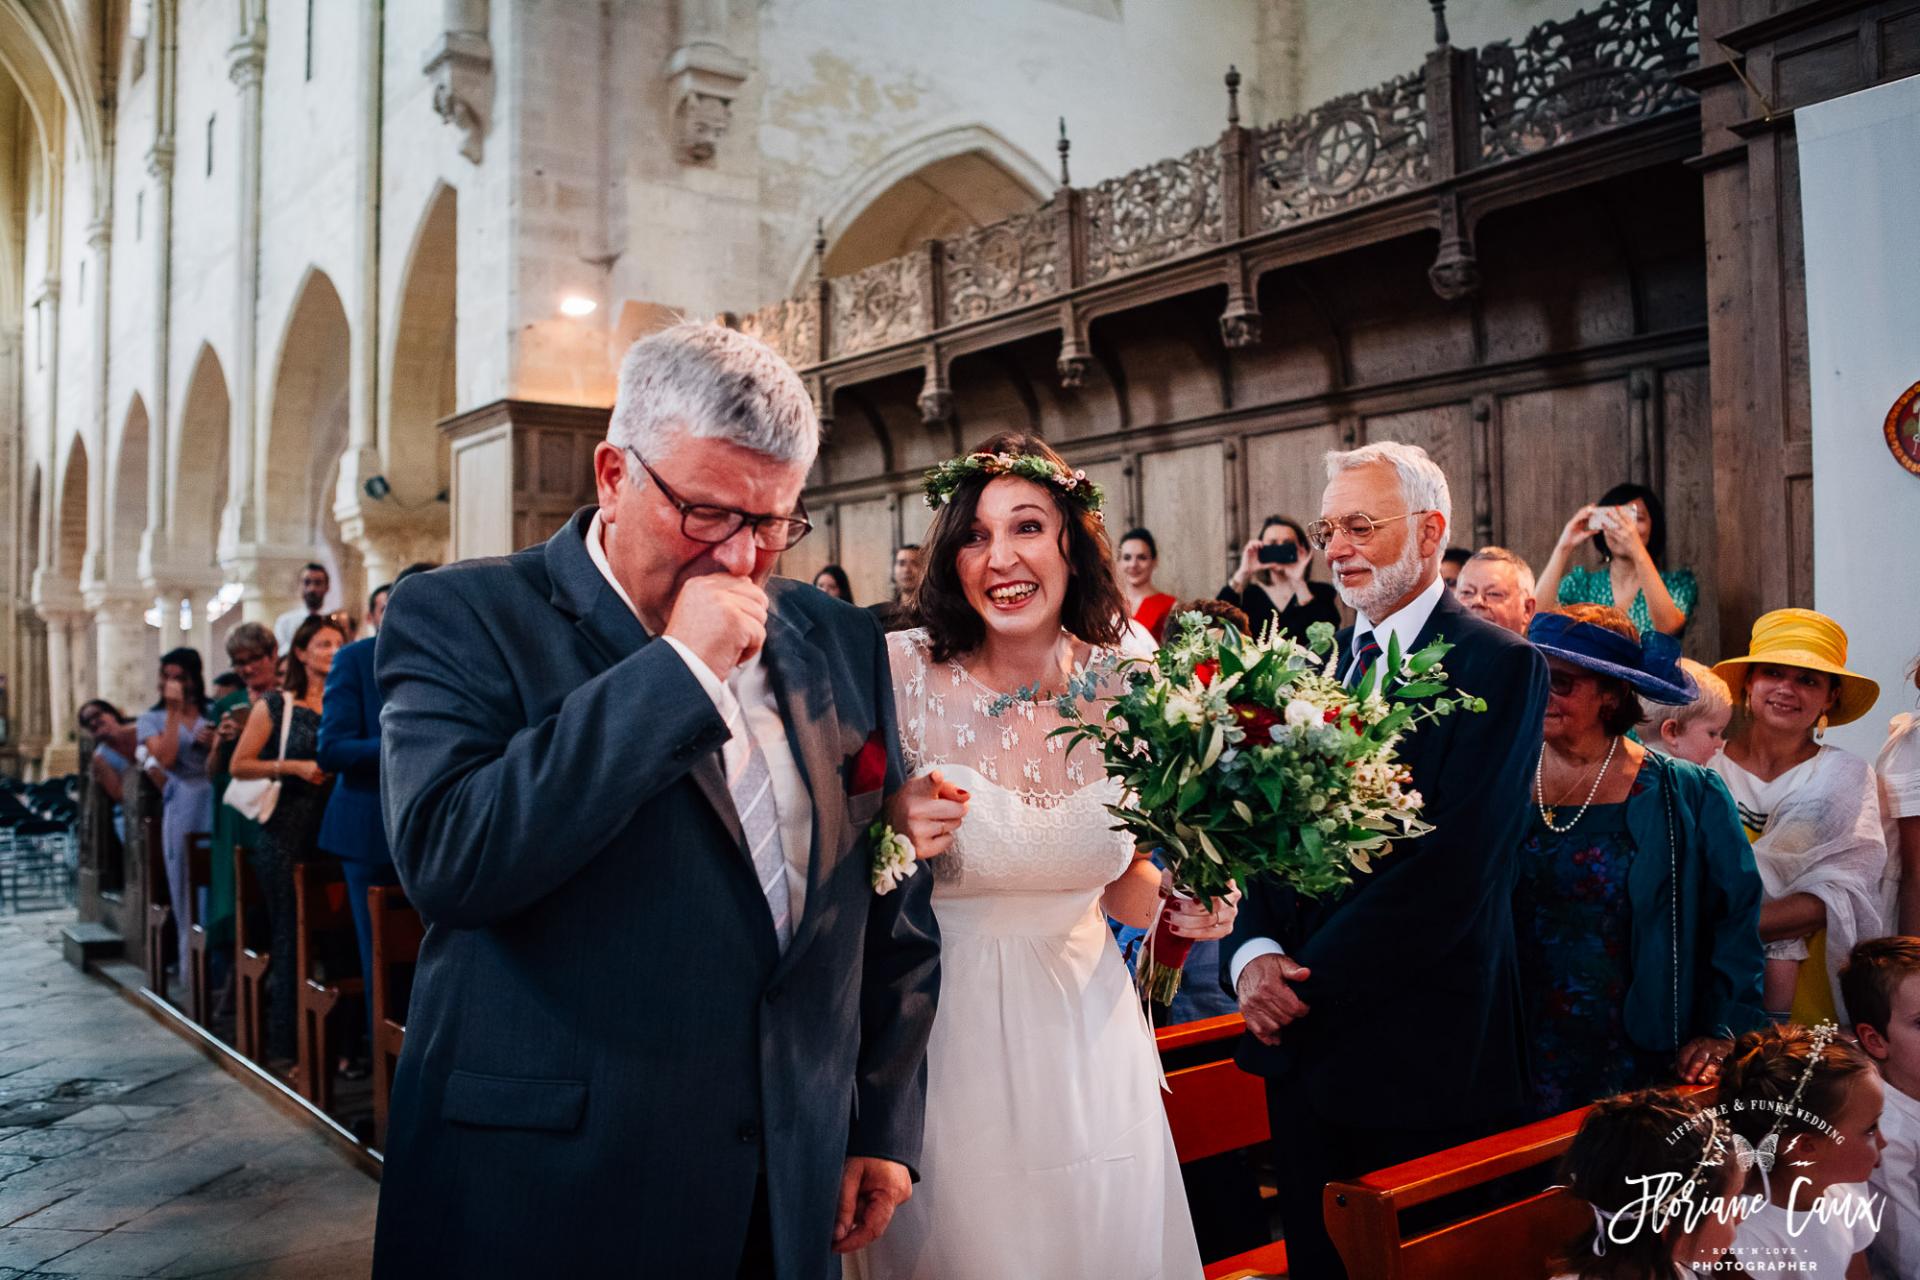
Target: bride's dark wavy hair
x: 1095, y: 610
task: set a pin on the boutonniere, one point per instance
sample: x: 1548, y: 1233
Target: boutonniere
x: 867, y: 771
x: 893, y: 859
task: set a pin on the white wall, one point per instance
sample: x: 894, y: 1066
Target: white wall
x: 1859, y: 185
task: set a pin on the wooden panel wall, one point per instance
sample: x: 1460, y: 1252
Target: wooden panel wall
x: 1181, y: 500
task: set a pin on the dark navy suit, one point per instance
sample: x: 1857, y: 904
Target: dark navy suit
x: 611, y: 1068
x: 1414, y: 1039
x: 353, y: 829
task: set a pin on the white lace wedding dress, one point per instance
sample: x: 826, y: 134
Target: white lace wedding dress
x: 1047, y: 1152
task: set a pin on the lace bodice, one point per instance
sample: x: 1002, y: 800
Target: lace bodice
x: 1037, y: 821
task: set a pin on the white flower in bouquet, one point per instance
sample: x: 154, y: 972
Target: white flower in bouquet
x: 1185, y: 708
x: 1300, y: 713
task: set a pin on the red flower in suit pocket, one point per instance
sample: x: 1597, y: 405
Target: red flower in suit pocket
x: 867, y: 771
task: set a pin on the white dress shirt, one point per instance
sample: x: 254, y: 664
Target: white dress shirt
x: 745, y: 700
x: 1895, y: 1252
x: 1405, y: 625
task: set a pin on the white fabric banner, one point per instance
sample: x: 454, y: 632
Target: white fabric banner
x: 1860, y: 206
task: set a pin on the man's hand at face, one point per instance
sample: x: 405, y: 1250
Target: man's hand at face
x: 723, y: 619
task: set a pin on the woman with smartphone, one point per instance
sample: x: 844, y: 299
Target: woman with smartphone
x: 1271, y: 585
x: 1627, y: 530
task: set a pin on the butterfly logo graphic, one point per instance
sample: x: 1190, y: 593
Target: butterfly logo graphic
x: 1746, y: 1155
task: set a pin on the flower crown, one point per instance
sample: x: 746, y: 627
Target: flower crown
x: 942, y: 480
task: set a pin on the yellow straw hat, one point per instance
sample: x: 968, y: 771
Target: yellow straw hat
x: 1803, y: 638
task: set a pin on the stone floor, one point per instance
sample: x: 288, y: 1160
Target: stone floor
x: 125, y: 1152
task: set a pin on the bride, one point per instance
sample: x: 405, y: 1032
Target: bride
x: 1046, y: 1151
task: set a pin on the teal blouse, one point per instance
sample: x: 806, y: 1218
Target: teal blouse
x: 1582, y: 585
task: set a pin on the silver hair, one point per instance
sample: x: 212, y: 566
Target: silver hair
x: 708, y: 382
x: 1500, y: 555
x: 1422, y: 483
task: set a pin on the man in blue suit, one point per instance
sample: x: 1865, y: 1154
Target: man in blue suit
x: 353, y: 828
x: 662, y: 1024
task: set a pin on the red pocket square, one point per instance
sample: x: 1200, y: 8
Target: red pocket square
x: 868, y: 769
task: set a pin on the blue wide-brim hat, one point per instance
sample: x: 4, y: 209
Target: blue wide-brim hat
x: 1651, y: 665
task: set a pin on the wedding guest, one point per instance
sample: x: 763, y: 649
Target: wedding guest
x: 177, y: 738
x: 114, y: 738
x: 1882, y: 986
x: 1813, y: 1096
x: 225, y: 683
x: 1809, y: 808
x: 376, y: 610
x: 1042, y: 1099
x: 1497, y: 585
x: 1627, y: 530
x: 290, y: 833
x: 1451, y: 564
x: 896, y: 612
x: 1898, y: 771
x: 1147, y: 604
x: 1271, y: 584
x: 833, y: 580
x: 1317, y: 980
x: 348, y: 749
x: 640, y: 1042
x: 315, y: 582
x: 255, y: 658
x: 1606, y: 1008
x: 1693, y: 731
x: 1627, y: 1147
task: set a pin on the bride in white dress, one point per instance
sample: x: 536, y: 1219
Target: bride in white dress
x: 1047, y: 1152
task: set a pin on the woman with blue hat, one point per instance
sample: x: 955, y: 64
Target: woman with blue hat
x: 1627, y: 983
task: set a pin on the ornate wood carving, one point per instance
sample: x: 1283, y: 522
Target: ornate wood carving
x: 1345, y: 152
x: 790, y: 326
x: 1155, y: 213
x: 1598, y: 68
x: 1005, y: 264
x: 878, y: 305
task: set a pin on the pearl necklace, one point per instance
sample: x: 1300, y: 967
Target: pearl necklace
x: 1540, y: 790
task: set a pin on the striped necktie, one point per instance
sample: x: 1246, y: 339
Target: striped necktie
x: 760, y: 823
x: 1364, y: 654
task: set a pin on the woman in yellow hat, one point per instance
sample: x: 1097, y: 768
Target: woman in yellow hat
x: 1809, y: 808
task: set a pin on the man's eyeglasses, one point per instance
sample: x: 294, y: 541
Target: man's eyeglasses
x: 1492, y: 595
x: 1357, y: 527
x: 715, y: 525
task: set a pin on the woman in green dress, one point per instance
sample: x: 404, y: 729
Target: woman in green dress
x: 1627, y: 530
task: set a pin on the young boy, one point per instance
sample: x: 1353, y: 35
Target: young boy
x: 1881, y: 985
x: 1696, y: 731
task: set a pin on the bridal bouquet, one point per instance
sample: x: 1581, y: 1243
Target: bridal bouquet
x: 1247, y: 757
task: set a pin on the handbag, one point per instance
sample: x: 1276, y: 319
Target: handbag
x: 255, y: 798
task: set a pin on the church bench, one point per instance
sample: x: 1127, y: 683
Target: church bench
x: 251, y: 959
x: 159, y: 903
x: 1517, y: 1239
x: 199, y: 970
x: 320, y: 909
x: 397, y: 931
x: 1214, y: 1107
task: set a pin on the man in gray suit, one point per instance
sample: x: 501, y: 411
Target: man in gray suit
x: 662, y: 1025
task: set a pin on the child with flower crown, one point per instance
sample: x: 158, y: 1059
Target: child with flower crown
x: 1664, y: 1191
x: 1804, y: 1107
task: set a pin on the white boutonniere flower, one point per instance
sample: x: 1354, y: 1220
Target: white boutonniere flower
x: 893, y: 859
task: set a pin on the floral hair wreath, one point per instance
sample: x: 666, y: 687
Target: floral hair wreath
x: 942, y: 480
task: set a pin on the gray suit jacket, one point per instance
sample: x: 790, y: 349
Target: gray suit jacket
x: 606, y: 1051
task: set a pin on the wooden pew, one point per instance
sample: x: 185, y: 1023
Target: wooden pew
x: 1516, y: 1240
x: 397, y: 933
x: 198, y: 975
x: 251, y: 957
x: 320, y: 907
x: 1214, y: 1107
x: 159, y: 904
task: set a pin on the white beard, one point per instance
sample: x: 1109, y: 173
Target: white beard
x: 1390, y: 583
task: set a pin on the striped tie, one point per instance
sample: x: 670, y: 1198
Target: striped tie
x: 1363, y: 657
x: 760, y: 823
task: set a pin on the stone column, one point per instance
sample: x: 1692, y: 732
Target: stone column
x: 125, y: 645
x: 66, y: 631
x: 247, y: 484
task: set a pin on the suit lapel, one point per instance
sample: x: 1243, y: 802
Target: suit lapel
x: 803, y: 688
